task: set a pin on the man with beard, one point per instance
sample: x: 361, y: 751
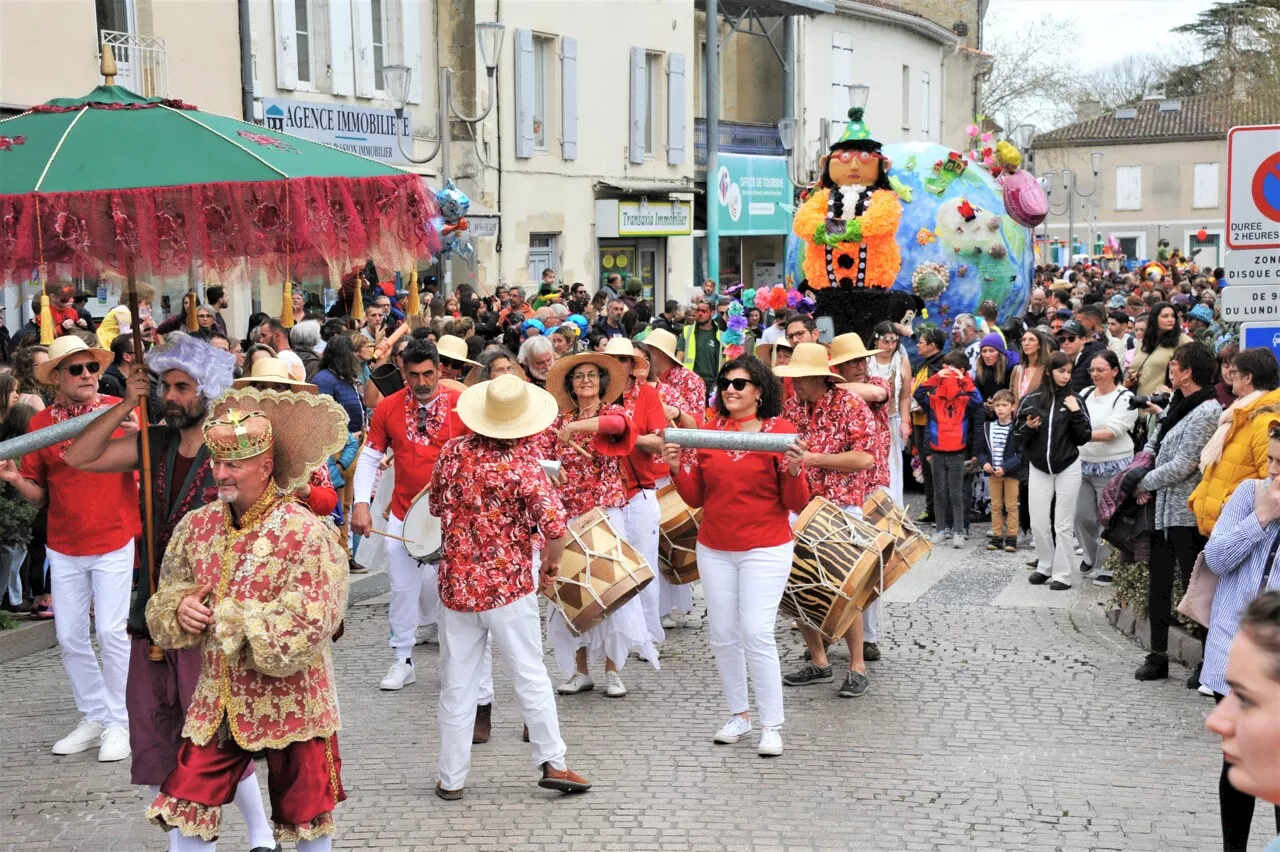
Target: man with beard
x: 159, y: 692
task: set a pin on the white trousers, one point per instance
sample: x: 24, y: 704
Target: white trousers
x: 1042, y: 488
x: 415, y: 595
x: 485, y: 696
x: 672, y: 598
x: 743, y: 589
x: 105, y: 580
x: 640, y: 519
x: 515, y: 630
x: 895, y: 459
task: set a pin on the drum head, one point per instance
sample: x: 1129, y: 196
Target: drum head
x: 422, y: 528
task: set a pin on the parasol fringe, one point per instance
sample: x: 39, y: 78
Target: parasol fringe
x: 413, y: 307
x: 286, y: 305
x: 357, y: 300
x: 192, y: 323
x: 46, y: 320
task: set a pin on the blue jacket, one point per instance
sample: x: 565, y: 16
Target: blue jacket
x: 1012, y: 451
x: 346, y: 395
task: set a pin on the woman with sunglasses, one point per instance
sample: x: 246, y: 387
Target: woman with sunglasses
x: 592, y: 437
x: 745, y: 543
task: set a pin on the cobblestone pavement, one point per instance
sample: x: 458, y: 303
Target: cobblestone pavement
x: 1002, y: 716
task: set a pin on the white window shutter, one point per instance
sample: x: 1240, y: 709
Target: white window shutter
x: 569, y: 96
x: 675, y: 109
x: 341, y: 47
x: 639, y: 102
x: 286, y: 45
x: 1205, y: 185
x: 524, y: 93
x: 411, y: 25
x: 364, y: 49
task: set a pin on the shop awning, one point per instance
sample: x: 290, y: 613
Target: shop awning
x: 769, y: 8
x: 645, y: 187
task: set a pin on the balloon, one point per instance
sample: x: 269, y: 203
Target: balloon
x: 1024, y: 199
x: 1202, y: 235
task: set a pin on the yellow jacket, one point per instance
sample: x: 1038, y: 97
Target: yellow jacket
x: 1244, y: 456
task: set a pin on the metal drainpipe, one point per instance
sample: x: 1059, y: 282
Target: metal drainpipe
x: 246, y: 60
x: 713, y: 142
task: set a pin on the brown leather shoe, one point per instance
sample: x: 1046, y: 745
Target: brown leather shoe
x: 449, y: 795
x: 565, y: 780
x: 484, y: 715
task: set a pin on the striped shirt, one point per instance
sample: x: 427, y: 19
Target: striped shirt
x: 998, y: 436
x: 1237, y: 552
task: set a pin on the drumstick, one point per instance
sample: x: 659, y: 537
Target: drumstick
x: 389, y: 535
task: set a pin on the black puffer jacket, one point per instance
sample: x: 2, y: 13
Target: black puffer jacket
x: 1055, y: 445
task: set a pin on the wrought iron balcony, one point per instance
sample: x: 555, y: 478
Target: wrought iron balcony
x: 142, y: 63
x: 737, y: 137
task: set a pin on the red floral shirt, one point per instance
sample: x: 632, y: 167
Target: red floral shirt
x: 837, y: 423
x: 594, y: 479
x: 879, y: 475
x: 684, y: 389
x: 492, y: 499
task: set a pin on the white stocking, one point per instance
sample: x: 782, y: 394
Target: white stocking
x: 173, y: 832
x: 249, y: 801
x: 182, y: 843
x: 320, y: 844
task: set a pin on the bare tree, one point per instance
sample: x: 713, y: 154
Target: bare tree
x: 1128, y: 80
x: 1033, y: 79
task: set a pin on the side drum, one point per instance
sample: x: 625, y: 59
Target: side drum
x: 910, y: 545
x: 836, y: 557
x: 677, y: 537
x: 599, y: 573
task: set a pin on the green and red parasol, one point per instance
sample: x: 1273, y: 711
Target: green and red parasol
x: 116, y: 182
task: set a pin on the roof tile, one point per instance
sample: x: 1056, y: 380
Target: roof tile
x: 1200, y: 117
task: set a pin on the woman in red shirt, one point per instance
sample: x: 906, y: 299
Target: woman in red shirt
x: 586, y: 386
x: 745, y: 543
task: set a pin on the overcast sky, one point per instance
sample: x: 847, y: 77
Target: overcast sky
x: 1108, y: 29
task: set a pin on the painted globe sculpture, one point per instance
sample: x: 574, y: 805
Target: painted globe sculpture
x: 959, y: 246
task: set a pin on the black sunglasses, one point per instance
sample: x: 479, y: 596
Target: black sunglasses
x: 737, y: 384
x: 452, y: 364
x: 76, y: 369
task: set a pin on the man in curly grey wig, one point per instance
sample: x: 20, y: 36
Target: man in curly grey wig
x: 192, y: 374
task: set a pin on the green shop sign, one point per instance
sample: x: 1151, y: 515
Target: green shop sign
x: 753, y: 195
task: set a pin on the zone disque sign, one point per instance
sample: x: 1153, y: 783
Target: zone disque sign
x: 1245, y: 303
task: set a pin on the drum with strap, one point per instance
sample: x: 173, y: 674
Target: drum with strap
x: 909, y: 547
x: 422, y: 530
x: 599, y: 573
x: 677, y: 537
x: 836, y: 557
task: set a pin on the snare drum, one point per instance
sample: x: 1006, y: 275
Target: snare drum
x: 422, y: 529
x: 599, y: 573
x: 909, y: 547
x: 836, y: 557
x: 677, y: 538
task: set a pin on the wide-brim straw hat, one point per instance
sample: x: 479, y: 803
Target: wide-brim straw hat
x: 307, y: 429
x: 454, y: 348
x: 276, y: 372
x: 62, y: 349
x: 847, y: 347
x: 664, y: 341
x: 560, y: 370
x: 507, y: 408
x: 621, y: 347
x: 807, y: 359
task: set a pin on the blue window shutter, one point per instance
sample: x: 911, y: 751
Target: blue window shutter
x: 524, y: 93
x: 675, y: 109
x: 638, y: 105
x: 569, y: 96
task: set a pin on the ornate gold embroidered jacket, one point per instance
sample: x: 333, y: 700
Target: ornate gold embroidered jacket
x: 280, y: 589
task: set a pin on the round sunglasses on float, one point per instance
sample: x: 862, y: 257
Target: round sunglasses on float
x: 738, y: 384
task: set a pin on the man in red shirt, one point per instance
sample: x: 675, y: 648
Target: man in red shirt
x: 93, y: 520
x: 490, y: 497
x: 414, y: 423
x: 683, y: 392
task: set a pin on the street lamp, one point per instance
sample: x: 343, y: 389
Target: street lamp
x: 787, y: 133
x: 1073, y: 193
x: 858, y: 95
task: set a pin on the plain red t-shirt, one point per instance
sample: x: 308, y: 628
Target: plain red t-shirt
x: 642, y: 469
x: 395, y: 425
x: 89, y: 513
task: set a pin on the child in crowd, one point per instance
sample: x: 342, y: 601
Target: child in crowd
x: 998, y: 453
x: 952, y: 405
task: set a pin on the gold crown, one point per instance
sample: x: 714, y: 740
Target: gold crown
x: 243, y: 443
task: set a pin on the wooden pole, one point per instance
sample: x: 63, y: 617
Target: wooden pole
x: 144, y: 457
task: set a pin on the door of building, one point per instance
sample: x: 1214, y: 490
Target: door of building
x: 542, y: 255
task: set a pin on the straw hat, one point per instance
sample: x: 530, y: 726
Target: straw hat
x: 507, y: 408
x: 305, y: 429
x: 664, y: 341
x: 558, y: 375
x: 454, y: 348
x: 62, y: 349
x: 807, y: 359
x: 275, y: 371
x: 847, y: 347
x: 620, y: 347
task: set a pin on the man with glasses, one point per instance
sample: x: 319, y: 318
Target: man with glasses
x: 699, y: 347
x: 93, y: 520
x: 516, y: 304
x: 1081, y: 349
x: 413, y: 423
x: 802, y: 328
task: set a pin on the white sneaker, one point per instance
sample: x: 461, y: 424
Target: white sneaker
x: 940, y: 537
x: 770, y: 743
x: 668, y: 622
x: 115, y: 744
x: 957, y: 541
x: 1204, y: 690
x: 578, y: 683
x: 613, y: 685
x: 87, y: 735
x: 400, y: 675
x: 734, y: 729
x: 427, y: 634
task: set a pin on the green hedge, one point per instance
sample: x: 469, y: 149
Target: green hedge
x: 1129, y: 588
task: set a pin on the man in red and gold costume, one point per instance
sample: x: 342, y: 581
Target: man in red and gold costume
x: 259, y: 585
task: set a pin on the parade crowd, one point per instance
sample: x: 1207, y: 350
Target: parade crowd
x: 1115, y: 422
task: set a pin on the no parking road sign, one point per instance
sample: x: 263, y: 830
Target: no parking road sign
x: 1253, y: 187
